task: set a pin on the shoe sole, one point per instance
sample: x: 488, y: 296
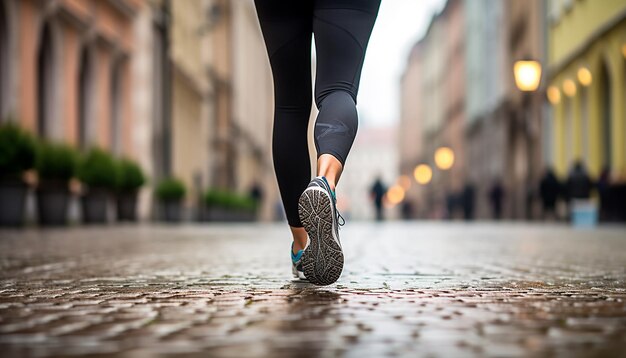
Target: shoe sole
x: 322, y: 261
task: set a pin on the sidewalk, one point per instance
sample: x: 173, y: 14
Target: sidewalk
x: 432, y: 289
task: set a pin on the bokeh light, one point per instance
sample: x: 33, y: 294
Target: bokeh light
x: 423, y: 174
x: 569, y: 88
x: 444, y: 158
x: 395, y: 194
x: 554, y: 95
x: 584, y: 76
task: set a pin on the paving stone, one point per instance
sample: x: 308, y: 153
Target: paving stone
x: 426, y: 290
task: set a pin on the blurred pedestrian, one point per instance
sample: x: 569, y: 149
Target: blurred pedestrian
x: 579, y: 183
x: 377, y: 193
x: 496, y: 196
x: 604, y: 186
x: 256, y: 194
x: 549, y: 190
x: 468, y: 197
x: 342, y: 30
x: 407, y: 209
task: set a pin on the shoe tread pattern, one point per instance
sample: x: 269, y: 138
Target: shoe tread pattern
x: 322, y: 261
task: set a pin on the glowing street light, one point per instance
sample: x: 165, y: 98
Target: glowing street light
x: 554, y: 95
x: 423, y: 174
x: 395, y: 194
x: 527, y: 75
x: 584, y: 76
x: 444, y: 158
x: 569, y: 88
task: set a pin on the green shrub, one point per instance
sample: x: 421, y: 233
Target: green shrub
x: 55, y: 161
x: 131, y: 176
x: 98, y: 169
x: 228, y: 200
x: 170, y: 189
x: 17, y: 150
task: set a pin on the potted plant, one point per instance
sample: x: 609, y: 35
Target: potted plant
x: 170, y: 193
x: 99, y: 174
x: 17, y: 155
x: 55, y: 164
x: 227, y: 206
x: 131, y: 179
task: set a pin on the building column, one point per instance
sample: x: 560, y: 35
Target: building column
x: 618, y: 117
x: 103, y: 95
x: 558, y: 149
x: 595, y: 126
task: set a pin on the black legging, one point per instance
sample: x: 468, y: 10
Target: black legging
x: 342, y: 29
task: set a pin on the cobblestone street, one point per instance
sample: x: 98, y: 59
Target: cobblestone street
x: 426, y: 289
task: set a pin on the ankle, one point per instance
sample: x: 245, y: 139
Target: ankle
x: 297, y: 246
x: 331, y: 182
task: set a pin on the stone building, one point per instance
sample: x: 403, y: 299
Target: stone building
x: 65, y: 70
x: 433, y: 109
x: 587, y: 86
x: 410, y: 135
x: 525, y: 40
x: 373, y: 155
x: 485, y: 129
x: 184, y: 87
x: 242, y: 103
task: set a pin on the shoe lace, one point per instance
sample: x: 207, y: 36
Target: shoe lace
x: 340, y: 220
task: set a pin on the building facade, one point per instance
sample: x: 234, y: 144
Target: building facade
x: 65, y: 70
x: 486, y: 125
x: 183, y: 87
x: 410, y: 137
x: 374, y: 155
x: 587, y: 77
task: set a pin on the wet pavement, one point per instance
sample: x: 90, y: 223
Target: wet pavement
x: 424, y: 289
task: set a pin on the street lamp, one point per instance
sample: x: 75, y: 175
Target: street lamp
x: 527, y: 75
x: 444, y: 158
x: 423, y: 174
x: 527, y: 78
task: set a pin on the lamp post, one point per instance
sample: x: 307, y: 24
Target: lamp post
x: 527, y: 78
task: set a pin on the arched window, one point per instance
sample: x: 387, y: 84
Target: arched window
x: 116, y: 106
x: 85, y: 90
x: 605, y: 117
x: 45, y: 83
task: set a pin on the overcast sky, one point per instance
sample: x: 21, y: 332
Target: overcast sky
x: 400, y: 23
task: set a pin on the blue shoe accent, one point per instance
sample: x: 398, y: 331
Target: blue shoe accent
x: 296, y: 257
x: 332, y: 192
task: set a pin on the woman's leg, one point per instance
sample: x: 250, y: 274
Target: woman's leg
x: 342, y: 29
x: 287, y: 30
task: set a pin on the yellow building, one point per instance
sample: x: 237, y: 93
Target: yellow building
x: 587, y: 61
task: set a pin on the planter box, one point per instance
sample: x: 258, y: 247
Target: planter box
x: 216, y: 214
x: 127, y: 206
x: 95, y: 204
x: 171, y: 211
x: 52, y: 201
x: 12, y: 202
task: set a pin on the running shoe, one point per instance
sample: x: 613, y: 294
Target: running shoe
x: 322, y: 261
x: 296, y: 264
